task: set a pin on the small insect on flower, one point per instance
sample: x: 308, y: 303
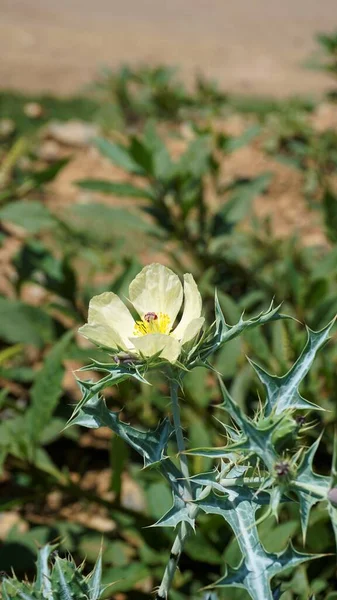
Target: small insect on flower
x: 157, y: 295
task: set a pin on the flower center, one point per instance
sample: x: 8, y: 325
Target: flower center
x: 153, y: 323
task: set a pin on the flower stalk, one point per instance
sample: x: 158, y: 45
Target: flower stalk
x: 183, y: 459
x: 184, y: 529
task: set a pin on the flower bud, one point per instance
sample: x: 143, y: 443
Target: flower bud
x: 282, y: 469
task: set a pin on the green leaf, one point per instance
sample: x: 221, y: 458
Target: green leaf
x: 25, y: 596
x: 36, y: 263
x: 242, y: 140
x: 119, y: 155
x: 29, y: 214
x: 308, y: 486
x: 96, y: 220
x: 329, y: 201
x: 251, y: 439
x: 162, y: 163
x: 20, y: 322
x: 95, y: 579
x: 196, y: 159
x: 240, y: 201
x: 224, y: 333
x: 4, y: 591
x: 282, y: 392
x: 116, y: 373
x: 257, y: 566
x: 48, y: 174
x: 116, y: 188
x: 47, y: 388
x: 142, y: 155
x: 150, y: 445
x: 64, y: 587
x: 180, y: 512
x: 43, y: 583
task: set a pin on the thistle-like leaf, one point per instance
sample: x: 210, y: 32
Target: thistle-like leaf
x: 178, y: 513
x: 59, y: 580
x: 56, y: 579
x: 116, y: 373
x: 257, y: 566
x: 283, y: 392
x: 43, y: 582
x: 309, y: 487
x: 332, y: 494
x: 223, y: 332
x: 151, y: 444
x: 216, y: 480
x: 95, y: 579
x: 252, y: 439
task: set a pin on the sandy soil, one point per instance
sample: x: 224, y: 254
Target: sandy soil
x: 251, y: 47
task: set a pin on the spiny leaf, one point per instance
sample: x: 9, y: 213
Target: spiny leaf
x: 57, y: 579
x: 309, y: 487
x: 95, y: 579
x: 178, y: 513
x: 332, y: 504
x: 151, y: 444
x: 43, y: 582
x: 282, y: 392
x: 116, y: 373
x: 65, y: 589
x: 223, y: 332
x: 252, y: 439
x: 257, y: 566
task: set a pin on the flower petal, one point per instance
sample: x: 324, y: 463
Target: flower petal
x: 192, y: 330
x: 157, y: 289
x: 103, y: 336
x: 155, y: 342
x: 109, y: 311
x: 192, y: 306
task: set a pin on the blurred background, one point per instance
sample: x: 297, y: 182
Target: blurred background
x: 57, y: 46
x: 200, y: 134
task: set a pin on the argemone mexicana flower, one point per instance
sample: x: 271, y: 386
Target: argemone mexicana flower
x: 157, y: 295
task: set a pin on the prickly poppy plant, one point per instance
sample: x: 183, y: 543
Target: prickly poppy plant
x: 262, y: 464
x: 56, y: 579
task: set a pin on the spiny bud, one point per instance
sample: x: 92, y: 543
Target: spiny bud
x: 126, y: 358
x: 300, y: 420
x: 332, y: 496
x: 282, y: 468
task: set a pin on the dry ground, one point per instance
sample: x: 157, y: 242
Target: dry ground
x: 250, y: 47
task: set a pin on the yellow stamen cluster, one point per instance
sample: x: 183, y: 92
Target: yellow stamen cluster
x: 153, y: 323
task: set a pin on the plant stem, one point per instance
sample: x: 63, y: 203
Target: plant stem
x: 179, y: 437
x: 184, y: 529
x: 172, y: 564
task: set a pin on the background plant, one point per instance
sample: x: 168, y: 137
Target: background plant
x: 57, y: 484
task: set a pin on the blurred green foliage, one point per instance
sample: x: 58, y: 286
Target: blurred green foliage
x: 54, y: 481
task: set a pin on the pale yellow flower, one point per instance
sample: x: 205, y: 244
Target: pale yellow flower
x: 157, y: 295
